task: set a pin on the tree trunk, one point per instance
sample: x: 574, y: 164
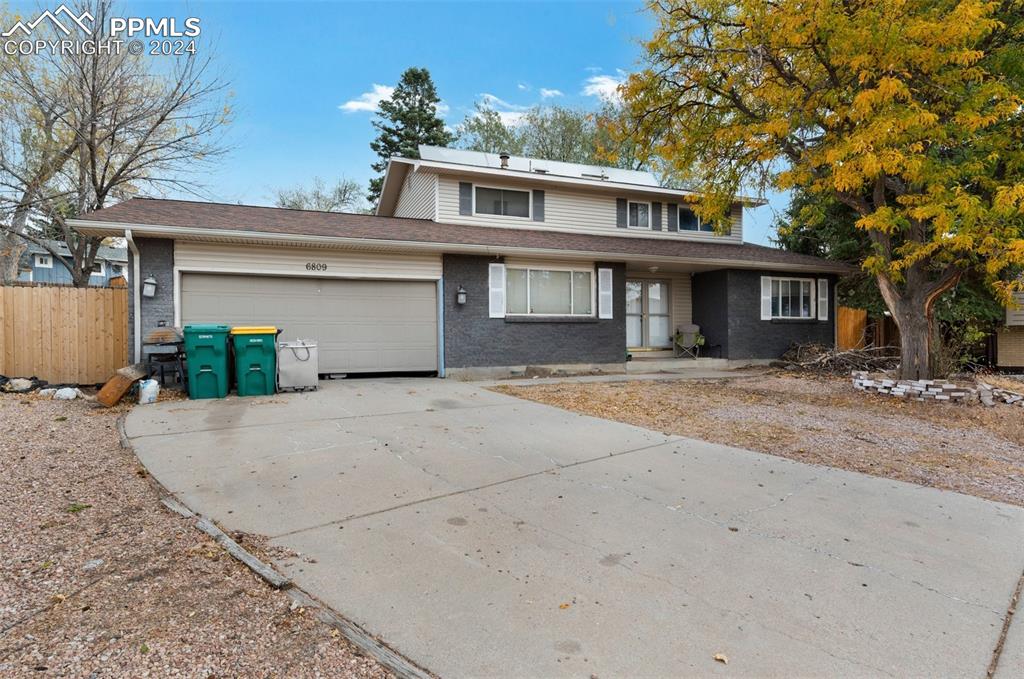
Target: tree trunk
x: 916, y: 335
x: 12, y: 245
x: 11, y: 249
x: 913, y: 309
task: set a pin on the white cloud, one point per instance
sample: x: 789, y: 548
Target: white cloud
x: 523, y: 87
x: 509, y: 113
x: 498, y: 103
x: 604, y: 87
x: 368, y: 101
x: 546, y: 93
x: 442, y: 109
x: 511, y: 118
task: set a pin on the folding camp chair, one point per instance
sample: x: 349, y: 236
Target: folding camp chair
x: 686, y: 341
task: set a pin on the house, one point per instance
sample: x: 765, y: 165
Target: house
x: 478, y: 263
x: 38, y: 265
x: 1009, y: 343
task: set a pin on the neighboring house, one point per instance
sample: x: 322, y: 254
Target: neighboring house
x: 478, y: 261
x: 38, y: 265
x: 1010, y: 338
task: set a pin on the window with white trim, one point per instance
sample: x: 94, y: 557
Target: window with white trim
x: 638, y: 215
x: 43, y: 261
x: 549, y: 292
x: 98, y: 269
x: 793, y: 298
x: 689, y: 221
x: 502, y: 202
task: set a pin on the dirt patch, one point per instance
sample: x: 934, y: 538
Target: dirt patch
x: 966, y: 448
x: 98, y: 579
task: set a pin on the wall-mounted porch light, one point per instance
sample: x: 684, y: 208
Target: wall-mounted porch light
x: 460, y: 295
x: 149, y: 287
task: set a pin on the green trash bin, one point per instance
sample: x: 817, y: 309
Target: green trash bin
x: 255, y: 359
x: 206, y: 351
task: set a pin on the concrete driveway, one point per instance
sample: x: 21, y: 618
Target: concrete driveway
x: 481, y: 535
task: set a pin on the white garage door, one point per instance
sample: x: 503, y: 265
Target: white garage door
x: 361, y: 326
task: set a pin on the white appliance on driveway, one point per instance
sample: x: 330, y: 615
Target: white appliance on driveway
x: 297, y: 365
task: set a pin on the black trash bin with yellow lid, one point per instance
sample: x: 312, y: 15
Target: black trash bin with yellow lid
x: 255, y: 359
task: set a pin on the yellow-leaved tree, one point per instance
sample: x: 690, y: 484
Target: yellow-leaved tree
x: 909, y: 111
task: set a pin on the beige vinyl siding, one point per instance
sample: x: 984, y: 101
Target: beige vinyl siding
x: 577, y: 210
x: 287, y: 261
x: 680, y: 294
x: 418, y: 197
x: 1015, y: 313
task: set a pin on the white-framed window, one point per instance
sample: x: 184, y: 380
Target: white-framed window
x: 549, y: 292
x: 791, y: 298
x: 689, y: 221
x: 43, y: 261
x: 98, y: 269
x: 489, y: 200
x: 638, y: 215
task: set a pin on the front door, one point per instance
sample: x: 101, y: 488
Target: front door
x: 648, y: 324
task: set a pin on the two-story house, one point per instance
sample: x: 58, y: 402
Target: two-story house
x: 477, y: 262
x: 38, y: 265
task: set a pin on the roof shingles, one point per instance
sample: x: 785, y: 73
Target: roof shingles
x: 268, y: 220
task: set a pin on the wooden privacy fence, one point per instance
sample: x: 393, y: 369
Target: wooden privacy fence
x: 63, y: 334
x: 850, y: 328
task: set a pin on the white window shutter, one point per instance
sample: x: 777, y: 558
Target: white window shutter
x: 766, y: 298
x: 605, y: 294
x: 496, y: 296
x: 822, y: 299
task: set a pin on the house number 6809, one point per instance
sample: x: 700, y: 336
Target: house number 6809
x: 316, y: 266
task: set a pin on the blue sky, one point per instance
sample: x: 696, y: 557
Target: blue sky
x: 294, y: 66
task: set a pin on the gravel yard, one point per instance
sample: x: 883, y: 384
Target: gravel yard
x: 98, y: 579
x: 966, y: 448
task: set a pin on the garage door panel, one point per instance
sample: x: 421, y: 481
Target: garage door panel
x: 360, y: 326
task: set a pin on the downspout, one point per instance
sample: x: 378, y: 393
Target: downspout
x: 440, y: 327
x: 136, y: 299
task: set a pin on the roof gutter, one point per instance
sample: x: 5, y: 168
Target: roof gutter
x: 136, y: 300
x: 105, y: 228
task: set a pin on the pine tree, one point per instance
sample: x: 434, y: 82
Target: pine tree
x: 406, y: 120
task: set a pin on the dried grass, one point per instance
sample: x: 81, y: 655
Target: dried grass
x: 98, y: 579
x: 821, y: 420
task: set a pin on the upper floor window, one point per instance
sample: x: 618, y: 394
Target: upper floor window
x: 44, y: 261
x: 639, y: 215
x: 689, y: 221
x: 504, y: 202
x: 97, y: 269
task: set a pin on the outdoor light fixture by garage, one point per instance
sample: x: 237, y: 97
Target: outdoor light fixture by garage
x: 149, y: 287
x: 460, y: 295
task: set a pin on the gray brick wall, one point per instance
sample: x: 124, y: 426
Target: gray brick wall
x: 156, y: 259
x: 710, y: 302
x: 727, y: 306
x: 472, y: 339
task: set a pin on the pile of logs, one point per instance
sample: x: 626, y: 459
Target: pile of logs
x: 823, y: 359
x: 935, y: 390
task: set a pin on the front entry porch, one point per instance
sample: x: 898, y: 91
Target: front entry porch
x: 666, y: 361
x: 649, y: 321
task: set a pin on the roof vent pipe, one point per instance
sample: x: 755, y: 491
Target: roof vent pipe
x: 504, y: 160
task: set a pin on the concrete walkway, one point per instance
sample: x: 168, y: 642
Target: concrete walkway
x: 481, y: 535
